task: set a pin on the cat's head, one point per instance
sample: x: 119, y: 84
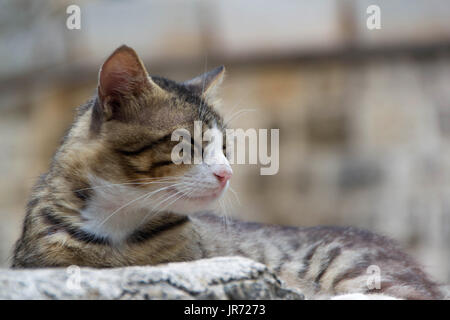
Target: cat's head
x: 130, y: 145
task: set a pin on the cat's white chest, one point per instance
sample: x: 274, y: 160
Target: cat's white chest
x: 114, y: 211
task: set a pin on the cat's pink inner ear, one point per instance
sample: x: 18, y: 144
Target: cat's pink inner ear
x: 122, y: 74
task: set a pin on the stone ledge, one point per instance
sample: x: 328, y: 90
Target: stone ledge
x: 217, y: 278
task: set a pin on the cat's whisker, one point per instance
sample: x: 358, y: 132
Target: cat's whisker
x: 226, y: 218
x: 203, y: 88
x: 237, y: 115
x: 133, y: 201
x: 180, y: 185
x: 230, y: 202
x: 233, y: 110
x: 179, y: 193
x: 231, y: 113
x: 122, y: 184
x: 128, y: 182
x: 224, y: 213
x: 121, y: 207
x: 235, y: 195
x: 141, y: 180
x: 152, y: 178
x: 182, y: 194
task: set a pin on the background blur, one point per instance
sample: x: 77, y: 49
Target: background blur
x: 364, y: 115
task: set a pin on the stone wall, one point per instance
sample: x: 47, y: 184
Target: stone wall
x: 232, y: 278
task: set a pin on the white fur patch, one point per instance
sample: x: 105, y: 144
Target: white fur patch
x: 115, y: 210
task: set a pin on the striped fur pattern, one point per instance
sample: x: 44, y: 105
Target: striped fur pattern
x: 96, y: 206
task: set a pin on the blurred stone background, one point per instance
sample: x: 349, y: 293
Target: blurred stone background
x: 364, y: 115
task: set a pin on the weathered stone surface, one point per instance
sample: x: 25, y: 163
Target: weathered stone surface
x: 446, y: 291
x: 218, y: 278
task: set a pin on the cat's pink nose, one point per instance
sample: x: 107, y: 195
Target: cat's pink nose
x: 223, y: 174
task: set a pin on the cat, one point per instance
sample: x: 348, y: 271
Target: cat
x: 113, y: 197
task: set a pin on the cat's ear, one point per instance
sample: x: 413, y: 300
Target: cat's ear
x: 206, y: 85
x: 122, y: 76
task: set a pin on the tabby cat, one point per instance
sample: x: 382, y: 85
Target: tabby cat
x: 113, y: 197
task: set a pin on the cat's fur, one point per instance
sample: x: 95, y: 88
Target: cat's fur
x: 92, y: 208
